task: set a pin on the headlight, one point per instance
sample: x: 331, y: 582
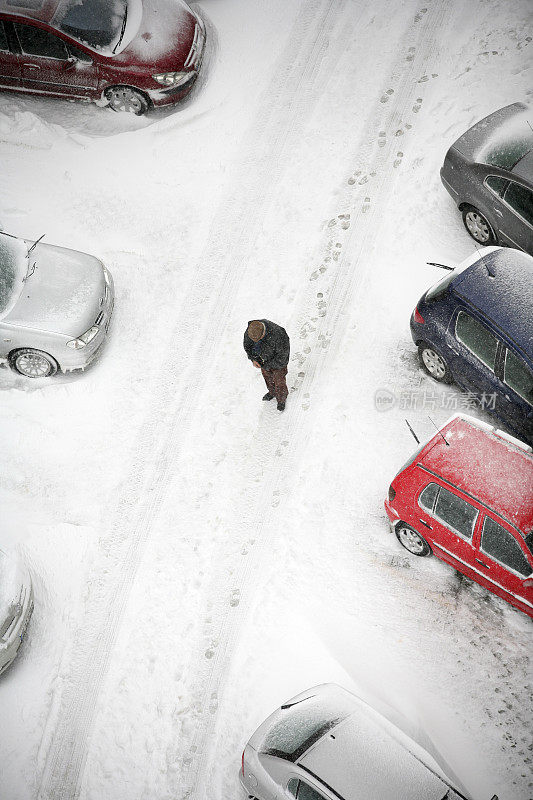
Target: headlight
x: 172, y: 78
x: 84, y: 339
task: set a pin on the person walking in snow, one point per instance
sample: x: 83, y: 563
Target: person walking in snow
x: 267, y: 346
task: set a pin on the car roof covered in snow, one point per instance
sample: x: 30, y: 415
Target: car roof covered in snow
x: 42, y: 10
x: 500, y: 285
x: 486, y: 465
x: 363, y: 756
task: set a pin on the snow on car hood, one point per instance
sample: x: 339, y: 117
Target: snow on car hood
x: 164, y: 37
x: 11, y: 580
x: 63, y: 295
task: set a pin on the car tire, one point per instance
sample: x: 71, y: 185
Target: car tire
x: 434, y: 363
x: 127, y: 99
x: 33, y: 363
x: 478, y: 226
x: 412, y: 540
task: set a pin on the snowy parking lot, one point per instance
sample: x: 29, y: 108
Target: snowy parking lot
x: 198, y: 557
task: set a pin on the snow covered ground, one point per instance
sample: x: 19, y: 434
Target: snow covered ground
x: 197, y: 557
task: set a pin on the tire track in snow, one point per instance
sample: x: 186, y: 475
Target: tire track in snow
x: 320, y: 324
x: 67, y: 733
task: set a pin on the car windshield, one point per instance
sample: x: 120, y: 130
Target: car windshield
x: 303, y: 724
x: 96, y: 23
x: 13, y: 267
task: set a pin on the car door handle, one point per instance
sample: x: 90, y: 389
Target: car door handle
x: 482, y: 563
x: 32, y: 66
x: 426, y: 524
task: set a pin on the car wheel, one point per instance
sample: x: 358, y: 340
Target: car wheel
x: 412, y: 541
x: 124, y: 98
x: 434, y: 364
x: 33, y: 363
x: 478, y: 226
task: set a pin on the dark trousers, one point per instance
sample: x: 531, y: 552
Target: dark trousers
x: 276, y: 383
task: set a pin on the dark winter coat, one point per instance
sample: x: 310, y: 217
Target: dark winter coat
x: 272, y: 351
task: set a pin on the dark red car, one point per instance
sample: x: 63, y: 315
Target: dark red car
x: 467, y: 496
x: 130, y: 54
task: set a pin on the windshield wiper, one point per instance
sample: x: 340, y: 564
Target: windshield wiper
x: 122, y: 29
x: 34, y: 245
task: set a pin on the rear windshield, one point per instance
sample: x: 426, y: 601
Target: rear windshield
x: 302, y: 725
x: 440, y: 288
x: 508, y: 144
x: 96, y: 23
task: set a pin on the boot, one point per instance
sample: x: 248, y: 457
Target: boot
x: 268, y: 396
x: 281, y: 406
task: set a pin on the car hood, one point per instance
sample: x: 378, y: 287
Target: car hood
x: 64, y: 294
x: 487, y: 139
x: 164, y: 37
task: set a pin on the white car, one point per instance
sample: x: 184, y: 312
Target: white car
x: 327, y: 744
x: 16, y: 606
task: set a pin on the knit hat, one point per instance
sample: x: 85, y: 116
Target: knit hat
x: 256, y: 330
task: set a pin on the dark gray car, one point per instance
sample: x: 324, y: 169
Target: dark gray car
x: 489, y: 173
x: 55, y: 307
x: 327, y: 744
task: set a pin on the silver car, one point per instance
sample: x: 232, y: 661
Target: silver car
x: 55, y: 307
x: 16, y: 605
x: 326, y: 744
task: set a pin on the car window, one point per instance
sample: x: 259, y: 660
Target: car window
x: 306, y: 792
x: 428, y: 496
x: 4, y: 46
x: 521, y: 201
x: 303, y: 724
x: 501, y: 545
x: 36, y: 42
x: 518, y: 377
x: 496, y: 184
x: 292, y: 786
x: 477, y: 338
x: 456, y: 513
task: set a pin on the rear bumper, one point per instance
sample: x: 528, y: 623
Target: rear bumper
x: 447, y: 185
x: 392, y: 514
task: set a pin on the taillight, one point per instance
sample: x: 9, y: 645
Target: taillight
x: 418, y: 317
x: 392, y: 493
x: 242, y: 763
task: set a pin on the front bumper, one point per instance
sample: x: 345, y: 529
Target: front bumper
x: 167, y: 96
x: 80, y: 359
x: 9, y: 649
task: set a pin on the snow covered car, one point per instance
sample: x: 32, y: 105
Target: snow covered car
x: 130, y: 54
x: 55, y: 307
x: 467, y: 496
x: 326, y: 744
x: 16, y: 606
x: 488, y: 172
x: 475, y: 327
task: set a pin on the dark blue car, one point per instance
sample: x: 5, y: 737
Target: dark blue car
x: 475, y: 328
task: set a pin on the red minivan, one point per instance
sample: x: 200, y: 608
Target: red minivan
x: 467, y: 496
x: 128, y: 54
